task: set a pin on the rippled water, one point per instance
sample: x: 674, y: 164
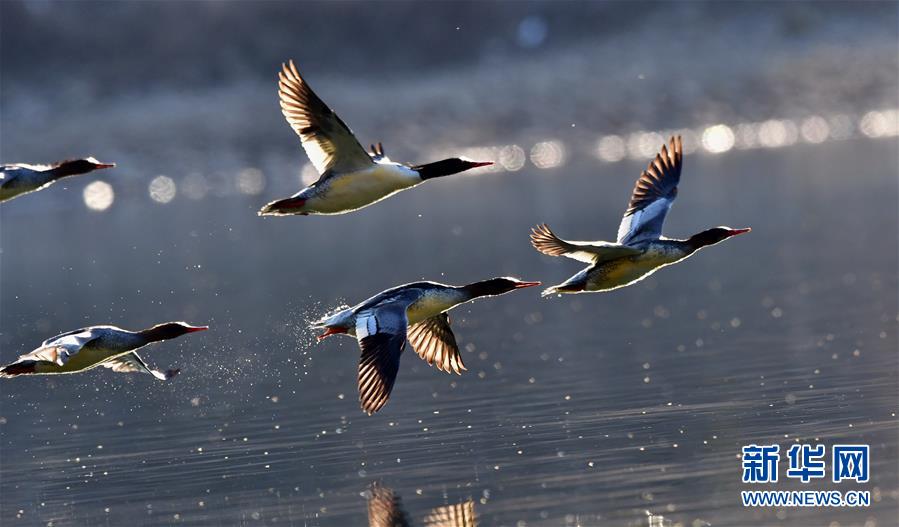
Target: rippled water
x: 586, y: 410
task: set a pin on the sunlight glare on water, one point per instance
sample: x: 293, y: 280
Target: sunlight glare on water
x: 195, y: 186
x: 548, y: 154
x: 162, y: 189
x: 251, y: 181
x: 511, y: 158
x: 718, y: 138
x: 308, y: 174
x: 611, y: 148
x: 98, y: 195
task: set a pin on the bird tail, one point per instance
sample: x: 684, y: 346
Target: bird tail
x: 284, y: 207
x: 18, y: 368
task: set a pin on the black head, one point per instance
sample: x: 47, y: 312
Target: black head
x: 453, y: 165
x: 713, y: 236
x: 497, y: 286
x: 80, y: 166
x: 170, y: 330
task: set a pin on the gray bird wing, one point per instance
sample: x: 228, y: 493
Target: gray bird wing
x: 381, y: 332
x: 654, y: 192
x: 63, y: 347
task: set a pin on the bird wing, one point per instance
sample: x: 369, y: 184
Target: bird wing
x: 328, y: 142
x: 456, y: 515
x: 385, y: 508
x: 61, y: 348
x: 544, y: 240
x: 653, y: 195
x: 79, y: 331
x: 381, y: 332
x: 132, y: 363
x: 434, y: 342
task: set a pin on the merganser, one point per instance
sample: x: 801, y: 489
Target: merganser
x: 385, y: 509
x: 350, y: 178
x: 87, y: 348
x: 18, y: 179
x: 641, y: 249
x: 415, y: 313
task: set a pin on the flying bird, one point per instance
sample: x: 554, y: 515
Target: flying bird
x: 350, y: 178
x: 18, y: 179
x: 413, y: 313
x: 640, y: 249
x: 87, y: 348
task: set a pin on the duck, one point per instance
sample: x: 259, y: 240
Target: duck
x: 640, y: 249
x: 385, y: 509
x: 108, y: 346
x: 350, y: 177
x: 19, y: 179
x: 415, y: 313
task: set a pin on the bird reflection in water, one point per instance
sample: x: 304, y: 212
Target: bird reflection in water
x: 385, y: 509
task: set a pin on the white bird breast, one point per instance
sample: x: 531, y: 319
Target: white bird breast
x: 358, y: 189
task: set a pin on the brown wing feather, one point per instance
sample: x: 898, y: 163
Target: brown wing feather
x: 377, y: 369
x: 328, y: 141
x: 434, y: 342
x: 544, y: 240
x: 385, y: 508
x: 55, y: 354
x: 456, y: 515
x: 660, y: 178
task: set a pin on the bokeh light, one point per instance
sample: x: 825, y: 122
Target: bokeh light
x: 642, y: 145
x: 872, y: 124
x: 611, y: 148
x: 718, y: 138
x: 308, y: 175
x: 532, y: 31
x: 714, y: 139
x: 692, y: 140
x: 815, y: 129
x: 511, y: 158
x: 195, y: 186
x: 98, y: 195
x: 776, y: 133
x: 879, y: 124
x: 548, y: 154
x: 162, y: 189
x: 840, y: 127
x: 745, y: 136
x: 250, y: 181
